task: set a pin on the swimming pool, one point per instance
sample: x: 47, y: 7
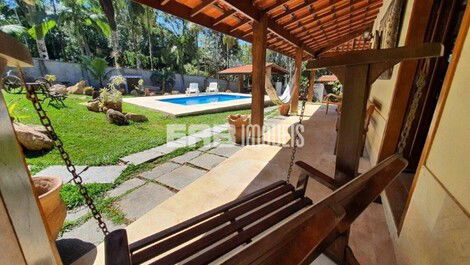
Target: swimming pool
x: 204, y: 99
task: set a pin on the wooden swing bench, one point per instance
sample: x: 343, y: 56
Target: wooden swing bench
x: 274, y: 225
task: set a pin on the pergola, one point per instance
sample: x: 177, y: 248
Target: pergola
x: 302, y: 29
x: 243, y: 70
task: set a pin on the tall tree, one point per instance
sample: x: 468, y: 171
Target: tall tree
x: 108, y: 9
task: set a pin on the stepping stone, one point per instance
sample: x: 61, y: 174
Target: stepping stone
x: 100, y: 174
x: 225, y: 150
x: 76, y: 213
x: 128, y: 185
x: 59, y: 171
x: 220, y: 128
x: 169, y: 147
x: 188, y: 140
x: 207, y: 161
x: 203, y: 134
x: 142, y: 157
x: 160, y: 170
x: 209, y: 146
x: 181, y: 177
x: 143, y: 199
x: 103, y: 174
x: 73, y: 244
x: 186, y: 157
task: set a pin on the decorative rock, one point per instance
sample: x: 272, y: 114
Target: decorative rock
x: 88, y: 90
x: 135, y: 92
x: 58, y: 89
x: 175, y: 92
x: 136, y: 117
x: 116, y: 117
x: 39, y: 128
x: 31, y: 139
x: 93, y: 106
x: 77, y: 88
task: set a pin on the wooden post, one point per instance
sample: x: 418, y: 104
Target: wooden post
x: 240, y: 83
x: 260, y: 31
x: 357, y: 71
x: 294, y: 105
x: 311, y: 86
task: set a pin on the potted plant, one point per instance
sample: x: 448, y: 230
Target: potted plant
x: 239, y: 127
x: 53, y: 207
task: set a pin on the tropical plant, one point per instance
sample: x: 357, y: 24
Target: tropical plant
x: 96, y: 67
x: 164, y: 77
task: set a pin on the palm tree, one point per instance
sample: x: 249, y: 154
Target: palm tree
x: 40, y: 24
x: 108, y: 9
x: 148, y: 21
x: 229, y: 42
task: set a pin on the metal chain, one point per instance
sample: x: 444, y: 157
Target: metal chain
x: 420, y: 84
x: 296, y: 137
x: 77, y: 179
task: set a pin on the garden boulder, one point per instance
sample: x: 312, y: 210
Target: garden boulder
x: 93, y: 106
x: 136, y: 117
x: 31, y: 139
x: 58, y: 89
x: 78, y: 88
x: 116, y: 117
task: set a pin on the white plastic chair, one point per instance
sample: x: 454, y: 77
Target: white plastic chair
x: 212, y: 88
x: 192, y: 89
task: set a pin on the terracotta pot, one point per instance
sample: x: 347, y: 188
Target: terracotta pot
x: 239, y: 127
x: 53, y: 207
x: 284, y: 109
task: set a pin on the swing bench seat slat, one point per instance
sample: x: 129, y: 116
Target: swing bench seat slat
x: 227, y: 226
x: 276, y: 224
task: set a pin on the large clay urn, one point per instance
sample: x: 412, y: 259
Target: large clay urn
x: 47, y: 188
x: 284, y: 109
x: 239, y: 127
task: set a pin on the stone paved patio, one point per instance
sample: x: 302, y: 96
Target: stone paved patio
x: 148, y: 189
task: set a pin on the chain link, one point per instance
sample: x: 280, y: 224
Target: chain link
x: 296, y: 137
x: 420, y: 84
x: 77, y: 179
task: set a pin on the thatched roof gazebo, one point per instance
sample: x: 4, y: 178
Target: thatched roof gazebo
x: 243, y: 70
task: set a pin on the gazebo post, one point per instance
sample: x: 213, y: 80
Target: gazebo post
x: 240, y: 83
x: 298, y: 69
x: 311, y: 86
x: 260, y: 32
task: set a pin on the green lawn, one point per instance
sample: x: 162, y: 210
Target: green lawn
x: 91, y: 140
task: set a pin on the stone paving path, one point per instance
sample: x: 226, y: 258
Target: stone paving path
x: 143, y: 192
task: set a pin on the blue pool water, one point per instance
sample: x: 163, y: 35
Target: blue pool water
x: 205, y: 99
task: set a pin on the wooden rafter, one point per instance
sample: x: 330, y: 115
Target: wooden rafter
x: 316, y: 26
x: 203, y: 5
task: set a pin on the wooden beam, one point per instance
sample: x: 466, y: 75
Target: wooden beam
x: 240, y: 25
x: 260, y: 31
x: 294, y: 105
x: 246, y: 8
x: 241, y: 78
x: 226, y: 15
x: 341, y: 40
x: 418, y: 51
x: 203, y: 5
x: 164, y: 2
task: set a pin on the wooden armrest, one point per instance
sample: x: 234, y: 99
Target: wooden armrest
x: 317, y: 175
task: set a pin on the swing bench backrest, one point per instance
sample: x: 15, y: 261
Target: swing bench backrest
x: 258, y: 226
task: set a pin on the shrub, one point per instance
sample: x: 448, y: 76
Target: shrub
x: 88, y: 90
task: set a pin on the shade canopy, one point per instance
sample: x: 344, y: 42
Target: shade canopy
x: 248, y: 69
x: 316, y: 26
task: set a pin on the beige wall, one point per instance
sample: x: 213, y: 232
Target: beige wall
x: 382, y: 91
x: 436, y: 228
x: 437, y: 224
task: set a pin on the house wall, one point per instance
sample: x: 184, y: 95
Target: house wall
x: 436, y: 228
x: 381, y: 93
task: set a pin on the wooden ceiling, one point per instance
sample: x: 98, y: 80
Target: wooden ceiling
x: 315, y: 25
